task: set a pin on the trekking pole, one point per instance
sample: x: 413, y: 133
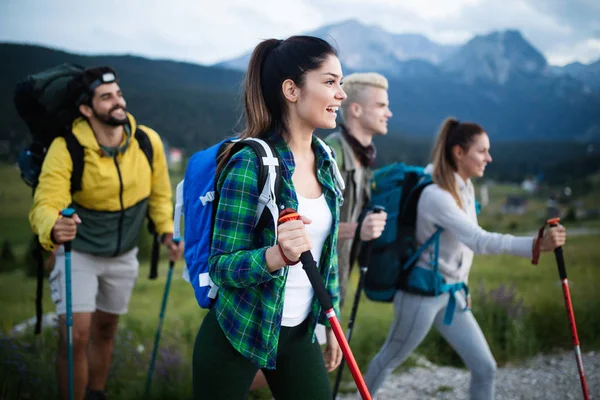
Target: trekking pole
x: 160, y: 323
x: 68, y: 213
x: 562, y: 272
x: 364, y: 260
x: 176, y: 240
x: 310, y: 267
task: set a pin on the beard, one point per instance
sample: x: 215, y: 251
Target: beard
x: 109, y: 120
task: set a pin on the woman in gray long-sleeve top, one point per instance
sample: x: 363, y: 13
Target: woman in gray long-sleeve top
x: 462, y: 152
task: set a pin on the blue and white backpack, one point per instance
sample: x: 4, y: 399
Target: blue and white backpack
x: 197, y: 199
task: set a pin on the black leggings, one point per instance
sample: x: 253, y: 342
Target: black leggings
x: 221, y: 372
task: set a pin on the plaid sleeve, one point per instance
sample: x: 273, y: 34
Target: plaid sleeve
x: 234, y: 259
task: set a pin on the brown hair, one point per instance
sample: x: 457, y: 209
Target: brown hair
x: 452, y: 133
x: 272, y: 62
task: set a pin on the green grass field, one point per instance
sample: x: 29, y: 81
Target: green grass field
x: 527, y: 317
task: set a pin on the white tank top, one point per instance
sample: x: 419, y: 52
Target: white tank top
x: 298, y: 291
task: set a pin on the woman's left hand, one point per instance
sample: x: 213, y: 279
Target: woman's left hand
x: 333, y: 352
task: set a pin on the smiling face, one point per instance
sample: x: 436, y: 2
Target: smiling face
x: 471, y: 163
x: 374, y: 110
x: 108, y: 105
x: 321, y: 95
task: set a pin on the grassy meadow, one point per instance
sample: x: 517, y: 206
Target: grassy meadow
x: 519, y: 306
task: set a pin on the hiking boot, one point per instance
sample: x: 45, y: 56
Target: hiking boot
x: 96, y: 395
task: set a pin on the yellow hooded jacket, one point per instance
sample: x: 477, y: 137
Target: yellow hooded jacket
x: 116, y: 192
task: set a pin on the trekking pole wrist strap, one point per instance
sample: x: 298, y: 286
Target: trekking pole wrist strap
x: 285, y: 259
x: 538, y: 240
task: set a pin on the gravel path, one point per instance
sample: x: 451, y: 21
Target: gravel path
x: 548, y: 377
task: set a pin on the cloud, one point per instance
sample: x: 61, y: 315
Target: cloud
x: 207, y: 32
x: 580, y: 41
x: 564, y: 31
x: 199, y: 31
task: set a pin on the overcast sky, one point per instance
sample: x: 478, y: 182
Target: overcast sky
x: 207, y: 31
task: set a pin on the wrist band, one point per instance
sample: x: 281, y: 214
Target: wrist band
x: 285, y: 259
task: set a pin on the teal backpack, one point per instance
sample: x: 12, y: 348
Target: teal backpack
x: 392, y: 266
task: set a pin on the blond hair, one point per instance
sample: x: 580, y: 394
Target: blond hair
x: 355, y: 85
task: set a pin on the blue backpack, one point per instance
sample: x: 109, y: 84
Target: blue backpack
x: 398, y: 187
x: 197, y: 199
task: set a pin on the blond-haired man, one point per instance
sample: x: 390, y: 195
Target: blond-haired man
x: 365, y: 112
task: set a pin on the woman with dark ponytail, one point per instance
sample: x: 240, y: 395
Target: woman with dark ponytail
x: 461, y: 152
x: 265, y: 314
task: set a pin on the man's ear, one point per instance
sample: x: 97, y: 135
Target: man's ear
x: 86, y: 110
x: 356, y: 110
x: 290, y: 90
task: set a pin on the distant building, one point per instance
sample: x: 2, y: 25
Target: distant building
x: 174, y: 158
x: 529, y: 185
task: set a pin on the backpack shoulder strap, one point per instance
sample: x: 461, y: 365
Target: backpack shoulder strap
x: 408, y: 213
x: 269, y: 180
x: 145, y: 145
x: 76, y: 152
x: 339, y: 181
x: 408, y: 221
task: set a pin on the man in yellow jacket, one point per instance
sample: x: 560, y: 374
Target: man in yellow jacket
x: 119, y: 188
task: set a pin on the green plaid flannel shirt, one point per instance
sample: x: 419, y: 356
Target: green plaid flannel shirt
x: 250, y: 301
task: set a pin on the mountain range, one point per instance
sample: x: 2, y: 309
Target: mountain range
x: 491, y: 57
x: 499, y: 80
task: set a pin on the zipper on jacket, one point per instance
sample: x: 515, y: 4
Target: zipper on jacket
x: 122, y: 216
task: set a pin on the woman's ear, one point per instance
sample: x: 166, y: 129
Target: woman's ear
x: 458, y: 152
x: 290, y: 90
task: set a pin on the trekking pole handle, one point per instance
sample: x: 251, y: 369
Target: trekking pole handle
x: 309, y: 265
x: 558, y: 252
x: 365, y: 255
x: 176, y: 240
x: 67, y: 213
